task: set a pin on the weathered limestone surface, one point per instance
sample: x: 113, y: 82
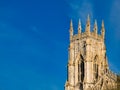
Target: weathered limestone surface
x: 88, y: 65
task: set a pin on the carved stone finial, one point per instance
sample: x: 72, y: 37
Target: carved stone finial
x: 102, y: 24
x: 88, y: 25
x: 71, y: 24
x: 79, y: 27
x: 95, y: 27
x: 103, y: 30
x: 71, y: 30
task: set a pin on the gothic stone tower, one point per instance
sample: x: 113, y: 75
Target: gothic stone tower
x: 88, y: 65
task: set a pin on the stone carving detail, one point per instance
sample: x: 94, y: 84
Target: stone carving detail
x: 88, y: 65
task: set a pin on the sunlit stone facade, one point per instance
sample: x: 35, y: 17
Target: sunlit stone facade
x: 88, y: 65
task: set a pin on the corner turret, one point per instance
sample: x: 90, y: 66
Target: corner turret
x: 103, y: 30
x: 71, y: 30
x: 95, y: 28
x: 79, y: 27
x: 87, y: 30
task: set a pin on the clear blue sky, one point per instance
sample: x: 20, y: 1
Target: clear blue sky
x: 34, y: 39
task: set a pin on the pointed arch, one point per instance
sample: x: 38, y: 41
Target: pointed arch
x: 95, y: 66
x: 82, y: 68
x: 78, y: 57
x: 81, y: 57
x: 96, y: 58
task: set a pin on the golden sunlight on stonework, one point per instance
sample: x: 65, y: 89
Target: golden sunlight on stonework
x: 88, y: 65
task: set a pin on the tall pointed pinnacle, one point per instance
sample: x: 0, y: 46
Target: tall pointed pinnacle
x: 95, y: 27
x: 103, y: 30
x: 79, y: 27
x: 71, y: 24
x: 88, y: 25
x: 71, y: 30
x: 88, y: 17
x: 102, y: 24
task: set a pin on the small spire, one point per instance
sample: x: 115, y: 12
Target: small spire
x: 102, y: 24
x: 71, y: 24
x: 79, y: 23
x: 95, y: 27
x: 88, y: 17
x: 71, y: 27
x: 79, y: 27
x: 71, y: 30
x: 88, y: 25
x: 95, y: 22
x: 103, y: 30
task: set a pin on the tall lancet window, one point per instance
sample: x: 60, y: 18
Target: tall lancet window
x: 84, y: 47
x: 82, y: 68
x: 95, y: 68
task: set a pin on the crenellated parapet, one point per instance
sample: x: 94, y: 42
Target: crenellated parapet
x: 88, y: 33
x: 83, y: 35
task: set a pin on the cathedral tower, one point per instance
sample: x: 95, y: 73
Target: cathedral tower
x: 88, y: 65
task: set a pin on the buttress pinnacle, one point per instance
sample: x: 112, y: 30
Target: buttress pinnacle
x: 88, y: 25
x: 71, y: 30
x: 103, y: 30
x: 95, y: 27
x: 88, y: 18
x: 102, y: 24
x: 71, y: 24
x: 79, y: 27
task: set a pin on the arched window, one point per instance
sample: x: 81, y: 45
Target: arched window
x: 95, y: 67
x: 82, y: 70
x: 84, y: 47
x: 81, y: 86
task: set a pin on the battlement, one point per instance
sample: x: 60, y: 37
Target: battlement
x: 83, y: 35
x: 94, y: 34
